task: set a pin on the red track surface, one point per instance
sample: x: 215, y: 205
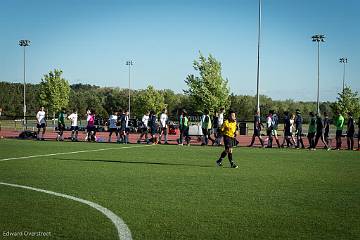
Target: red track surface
x: 103, y: 137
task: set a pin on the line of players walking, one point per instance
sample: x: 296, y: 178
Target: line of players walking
x: 318, y: 129
x: 154, y: 131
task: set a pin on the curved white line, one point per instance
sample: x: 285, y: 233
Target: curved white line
x: 122, y: 229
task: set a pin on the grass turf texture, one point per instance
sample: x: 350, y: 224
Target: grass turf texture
x: 173, y: 192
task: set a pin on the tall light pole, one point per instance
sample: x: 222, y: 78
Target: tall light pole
x: 318, y: 38
x: 24, y: 43
x: 343, y: 60
x: 129, y: 63
x: 258, y: 62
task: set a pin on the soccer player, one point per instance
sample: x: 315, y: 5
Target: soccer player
x: 312, y: 131
x: 91, y: 129
x: 61, y: 125
x: 257, y: 129
x: 320, y: 132
x: 144, y: 127
x: 269, y: 129
x: 220, y: 122
x: 339, y: 123
x: 153, y: 127
x: 228, y: 129
x: 74, y: 125
x: 184, y: 128
x: 298, y: 129
x: 326, y: 125
x: 125, y: 127
x: 287, y: 130
x: 113, y: 119
x: 41, y: 123
x: 350, y: 132
x: 206, y: 128
x: 163, y: 126
x: 292, y: 127
x: 275, y: 124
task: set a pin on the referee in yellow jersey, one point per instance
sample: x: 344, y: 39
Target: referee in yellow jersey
x: 228, y: 130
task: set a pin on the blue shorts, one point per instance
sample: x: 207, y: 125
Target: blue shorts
x: 74, y: 128
x: 42, y: 125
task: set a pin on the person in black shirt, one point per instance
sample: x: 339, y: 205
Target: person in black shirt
x: 320, y: 132
x: 350, y: 132
x: 287, y: 130
x: 153, y: 127
x: 257, y: 129
x: 326, y: 125
x: 298, y: 127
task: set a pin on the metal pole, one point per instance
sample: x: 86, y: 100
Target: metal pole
x: 318, y: 84
x: 344, y: 78
x: 258, y: 62
x: 129, y: 89
x: 24, y: 92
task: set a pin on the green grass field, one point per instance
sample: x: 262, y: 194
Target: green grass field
x: 173, y: 192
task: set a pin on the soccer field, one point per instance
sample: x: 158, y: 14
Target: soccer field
x: 173, y: 192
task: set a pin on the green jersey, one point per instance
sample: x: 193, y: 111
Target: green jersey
x: 61, y: 118
x: 339, y: 123
x: 312, y: 125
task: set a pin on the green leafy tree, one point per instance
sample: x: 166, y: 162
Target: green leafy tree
x: 347, y: 101
x: 148, y: 100
x: 54, y: 91
x: 209, y: 90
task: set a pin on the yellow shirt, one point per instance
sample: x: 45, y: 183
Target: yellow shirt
x: 229, y: 128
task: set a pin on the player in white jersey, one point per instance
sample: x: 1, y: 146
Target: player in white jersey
x: 41, y: 123
x: 73, y: 117
x: 164, y: 126
x: 144, y: 127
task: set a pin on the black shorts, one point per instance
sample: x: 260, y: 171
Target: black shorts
x: 90, y: 128
x: 287, y: 133
x: 144, y: 130
x: 257, y: 132
x: 299, y: 133
x: 311, y: 135
x: 74, y: 128
x: 153, y: 130
x: 42, y: 125
x: 350, y: 134
x: 338, y: 133
x: 205, y: 131
x: 61, y: 127
x: 113, y: 130
x: 228, y: 142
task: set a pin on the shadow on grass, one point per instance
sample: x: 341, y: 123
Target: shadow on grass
x: 136, y: 162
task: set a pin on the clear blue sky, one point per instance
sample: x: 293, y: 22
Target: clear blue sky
x: 91, y: 41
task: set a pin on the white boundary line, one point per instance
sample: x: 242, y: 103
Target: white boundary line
x: 65, y: 153
x: 122, y: 229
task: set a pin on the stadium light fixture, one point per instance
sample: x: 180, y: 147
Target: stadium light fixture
x: 318, y: 38
x: 24, y: 43
x: 343, y: 60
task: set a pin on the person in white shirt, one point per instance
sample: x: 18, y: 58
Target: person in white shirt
x: 144, y: 127
x: 41, y: 123
x: 73, y: 117
x: 163, y: 126
x: 220, y: 121
x: 113, y: 119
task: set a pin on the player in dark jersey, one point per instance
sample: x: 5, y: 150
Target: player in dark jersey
x: 350, y: 132
x: 298, y: 127
x: 257, y: 129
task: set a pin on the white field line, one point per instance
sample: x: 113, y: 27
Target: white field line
x: 66, y: 153
x: 122, y: 229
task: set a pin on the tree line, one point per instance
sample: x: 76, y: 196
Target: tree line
x: 206, y: 90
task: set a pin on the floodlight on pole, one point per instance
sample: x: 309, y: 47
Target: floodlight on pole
x: 343, y: 60
x: 24, y: 43
x: 318, y: 38
x: 258, y: 62
x: 129, y: 63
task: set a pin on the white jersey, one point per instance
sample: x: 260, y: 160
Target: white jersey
x: 220, y: 119
x: 145, y: 120
x: 40, y: 116
x: 163, y: 120
x: 269, y: 121
x: 112, y: 121
x: 292, y: 125
x: 74, y: 119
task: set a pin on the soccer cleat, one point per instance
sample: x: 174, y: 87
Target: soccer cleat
x: 234, y: 166
x: 218, y: 163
